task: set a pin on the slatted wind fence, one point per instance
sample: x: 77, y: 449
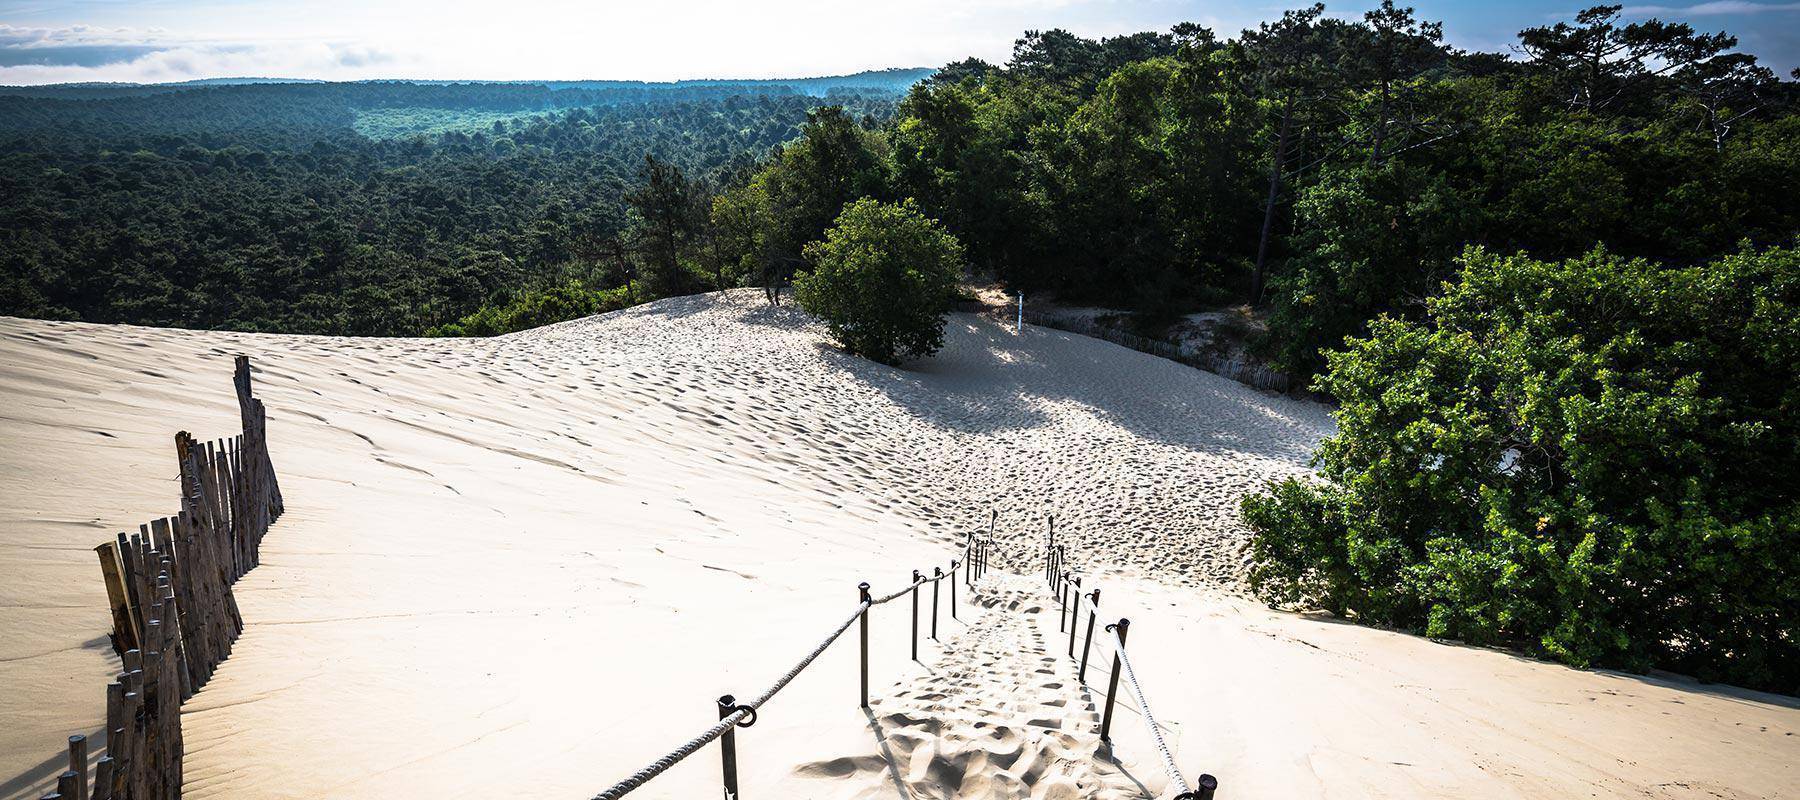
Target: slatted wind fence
x: 174, y: 617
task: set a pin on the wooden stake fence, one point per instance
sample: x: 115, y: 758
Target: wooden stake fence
x: 174, y: 617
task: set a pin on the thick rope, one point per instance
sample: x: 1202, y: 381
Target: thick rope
x: 804, y: 662
x: 674, y: 757
x: 706, y: 737
x: 1162, y: 747
x: 888, y: 597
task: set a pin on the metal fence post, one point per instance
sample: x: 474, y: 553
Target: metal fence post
x: 1074, y: 614
x: 969, y: 568
x: 1123, y: 626
x: 953, y: 589
x: 728, y: 747
x: 937, y: 574
x: 1087, y: 642
x: 915, y: 605
x: 862, y: 596
x: 1208, y: 785
x: 1062, y: 600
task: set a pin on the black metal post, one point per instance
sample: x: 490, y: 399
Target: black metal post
x: 937, y: 574
x: 862, y: 596
x: 1208, y: 785
x: 969, y: 569
x: 728, y: 747
x: 915, y: 604
x: 1074, y: 614
x: 1062, y: 600
x: 953, y: 589
x: 1123, y: 626
x: 1087, y: 642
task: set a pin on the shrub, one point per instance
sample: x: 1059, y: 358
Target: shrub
x: 883, y: 279
x: 565, y: 301
x: 1597, y: 460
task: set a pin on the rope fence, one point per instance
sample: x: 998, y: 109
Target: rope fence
x: 1067, y: 585
x: 734, y: 715
x: 174, y: 616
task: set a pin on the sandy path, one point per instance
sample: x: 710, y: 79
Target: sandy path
x: 531, y: 563
x: 997, y: 716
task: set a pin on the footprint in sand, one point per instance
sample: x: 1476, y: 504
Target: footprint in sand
x: 982, y: 725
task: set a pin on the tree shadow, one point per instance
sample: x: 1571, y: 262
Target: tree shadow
x: 1655, y: 678
x: 987, y: 379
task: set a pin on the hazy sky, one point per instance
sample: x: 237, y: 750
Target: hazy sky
x: 48, y: 41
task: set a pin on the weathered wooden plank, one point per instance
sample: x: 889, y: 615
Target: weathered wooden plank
x: 124, y: 627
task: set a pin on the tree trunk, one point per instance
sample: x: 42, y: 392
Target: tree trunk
x: 1381, y: 120
x: 1268, y: 226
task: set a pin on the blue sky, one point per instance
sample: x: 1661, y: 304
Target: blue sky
x: 47, y: 41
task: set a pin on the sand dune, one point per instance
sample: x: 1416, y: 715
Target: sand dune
x: 530, y: 564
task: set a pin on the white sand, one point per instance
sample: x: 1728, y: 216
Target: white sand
x: 529, y: 565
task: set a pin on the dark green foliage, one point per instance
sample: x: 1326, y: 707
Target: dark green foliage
x: 882, y: 281
x: 569, y: 300
x: 1597, y: 459
x: 259, y: 208
x: 797, y: 193
x: 668, y: 212
x: 1331, y: 170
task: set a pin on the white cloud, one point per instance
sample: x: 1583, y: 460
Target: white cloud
x: 547, y: 39
x: 169, y: 62
x: 1715, y: 8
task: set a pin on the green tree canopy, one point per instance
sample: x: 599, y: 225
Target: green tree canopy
x: 1597, y: 459
x: 882, y: 280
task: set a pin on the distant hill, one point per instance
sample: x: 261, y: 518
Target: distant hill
x: 303, y: 111
x: 896, y: 80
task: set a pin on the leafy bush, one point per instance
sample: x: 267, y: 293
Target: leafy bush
x: 1596, y: 459
x: 569, y: 300
x: 883, y: 279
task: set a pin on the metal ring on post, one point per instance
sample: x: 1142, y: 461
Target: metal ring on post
x: 747, y: 721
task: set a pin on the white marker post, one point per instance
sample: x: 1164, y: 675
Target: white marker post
x: 1020, y: 328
